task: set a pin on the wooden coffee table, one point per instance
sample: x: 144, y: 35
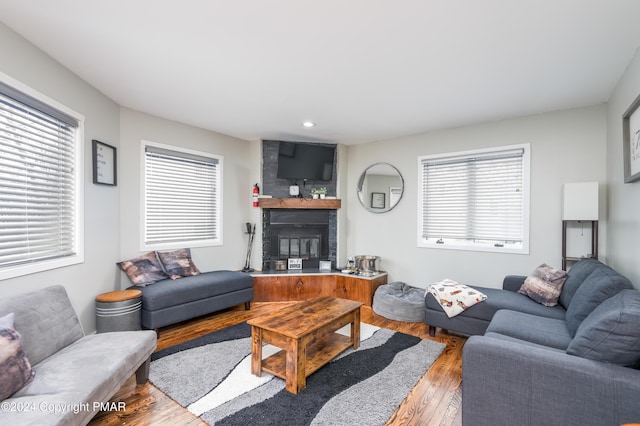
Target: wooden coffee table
x: 306, y: 334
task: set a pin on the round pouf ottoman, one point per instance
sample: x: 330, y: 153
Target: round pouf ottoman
x: 399, y: 301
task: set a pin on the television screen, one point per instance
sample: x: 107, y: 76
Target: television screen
x: 305, y: 161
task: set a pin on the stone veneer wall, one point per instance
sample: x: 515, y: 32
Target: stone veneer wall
x: 279, y: 188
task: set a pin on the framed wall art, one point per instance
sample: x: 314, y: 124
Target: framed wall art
x: 631, y: 142
x: 104, y: 164
x: 377, y: 200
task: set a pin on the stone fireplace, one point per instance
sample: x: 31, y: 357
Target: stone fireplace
x: 306, y: 233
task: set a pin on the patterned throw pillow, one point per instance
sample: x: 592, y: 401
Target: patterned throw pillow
x: 143, y: 270
x: 544, y: 285
x: 15, y: 368
x: 178, y: 263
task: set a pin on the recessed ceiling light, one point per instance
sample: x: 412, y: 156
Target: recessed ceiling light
x: 308, y: 124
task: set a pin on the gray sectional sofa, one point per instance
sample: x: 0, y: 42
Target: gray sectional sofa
x: 604, y: 282
x: 572, y: 364
x: 170, y: 301
x: 74, y: 373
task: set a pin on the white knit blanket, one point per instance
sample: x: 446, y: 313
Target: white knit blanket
x: 455, y: 297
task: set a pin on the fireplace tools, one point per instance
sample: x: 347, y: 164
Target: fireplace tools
x: 251, y: 231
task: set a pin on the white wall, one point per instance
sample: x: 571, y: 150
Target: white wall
x: 239, y: 174
x: 566, y: 146
x: 623, y: 199
x: 26, y: 63
x: 112, y: 213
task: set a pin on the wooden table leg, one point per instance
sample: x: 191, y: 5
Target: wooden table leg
x: 355, y: 329
x: 296, y: 366
x: 256, y: 351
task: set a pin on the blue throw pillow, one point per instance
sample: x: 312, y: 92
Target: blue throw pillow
x: 575, y: 277
x: 611, y: 333
x: 600, y: 285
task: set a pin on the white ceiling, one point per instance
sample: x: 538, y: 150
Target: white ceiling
x: 363, y: 70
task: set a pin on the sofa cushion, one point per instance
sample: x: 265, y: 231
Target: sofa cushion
x: 178, y: 263
x: 550, y: 332
x: 15, y: 369
x: 600, y: 285
x: 575, y: 276
x: 92, y: 369
x: 143, y: 270
x: 611, y: 333
x: 501, y: 299
x: 47, y: 309
x: 169, y: 292
x: 511, y: 339
x: 544, y: 285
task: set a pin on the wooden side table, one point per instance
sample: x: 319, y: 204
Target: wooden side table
x: 118, y: 311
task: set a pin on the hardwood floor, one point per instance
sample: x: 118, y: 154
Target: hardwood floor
x: 435, y: 400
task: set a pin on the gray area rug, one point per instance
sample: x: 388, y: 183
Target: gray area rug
x: 210, y: 376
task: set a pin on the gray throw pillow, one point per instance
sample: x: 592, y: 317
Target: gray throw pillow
x: 611, y: 333
x: 15, y: 369
x: 143, y: 270
x: 544, y: 285
x: 178, y: 263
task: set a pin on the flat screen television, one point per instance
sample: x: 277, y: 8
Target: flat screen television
x: 307, y: 161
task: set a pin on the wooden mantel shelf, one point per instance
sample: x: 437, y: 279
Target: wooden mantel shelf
x: 299, y: 203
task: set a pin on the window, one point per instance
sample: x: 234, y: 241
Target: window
x: 475, y: 200
x: 40, y: 182
x: 182, y: 198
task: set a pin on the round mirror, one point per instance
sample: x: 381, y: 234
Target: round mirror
x: 380, y: 187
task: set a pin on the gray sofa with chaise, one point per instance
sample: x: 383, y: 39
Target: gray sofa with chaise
x: 603, y: 283
x: 576, y: 364
x: 170, y: 301
x: 174, y: 289
x: 74, y: 373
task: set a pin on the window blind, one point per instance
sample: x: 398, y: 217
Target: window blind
x: 181, y: 197
x: 37, y: 181
x: 474, y: 198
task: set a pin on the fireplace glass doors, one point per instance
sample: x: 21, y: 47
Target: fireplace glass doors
x: 302, y: 247
x: 299, y: 234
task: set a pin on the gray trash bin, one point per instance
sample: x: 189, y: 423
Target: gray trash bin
x: 118, y: 311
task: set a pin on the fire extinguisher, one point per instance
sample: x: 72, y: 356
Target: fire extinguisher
x: 256, y: 193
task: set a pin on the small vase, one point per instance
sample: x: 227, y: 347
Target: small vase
x: 315, y: 196
x: 322, y: 196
